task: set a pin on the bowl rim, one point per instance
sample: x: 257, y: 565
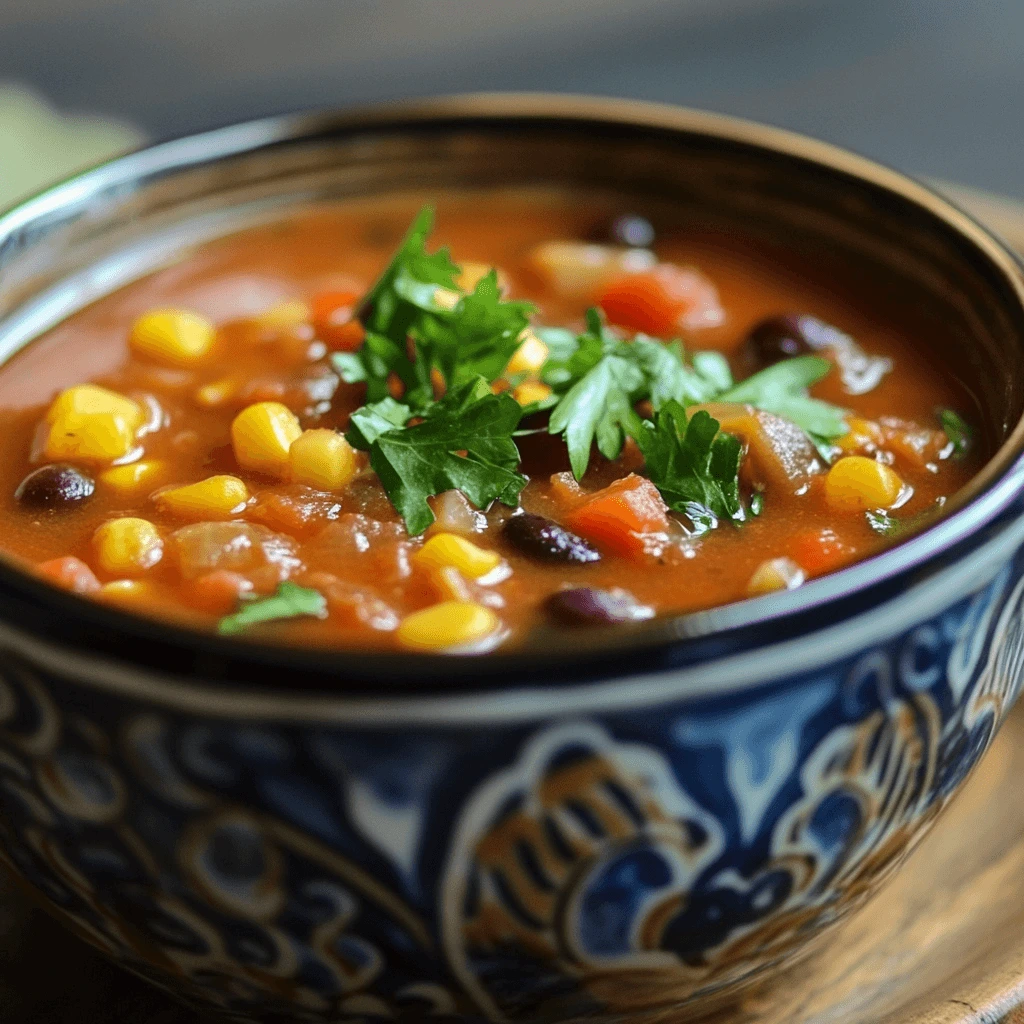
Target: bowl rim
x: 988, y: 495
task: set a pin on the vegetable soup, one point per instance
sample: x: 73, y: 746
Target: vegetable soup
x: 362, y: 428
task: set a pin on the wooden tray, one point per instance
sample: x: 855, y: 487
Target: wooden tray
x: 942, y: 944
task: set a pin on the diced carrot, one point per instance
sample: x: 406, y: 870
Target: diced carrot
x: 335, y: 320
x: 70, y: 573
x: 821, y: 551
x: 622, y: 517
x: 662, y: 301
x: 218, y: 591
x: 566, y: 491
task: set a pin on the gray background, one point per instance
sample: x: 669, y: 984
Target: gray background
x: 933, y: 86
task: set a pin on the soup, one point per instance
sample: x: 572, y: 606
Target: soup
x: 327, y: 430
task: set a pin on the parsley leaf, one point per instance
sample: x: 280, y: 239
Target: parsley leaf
x: 605, y: 377
x: 404, y: 294
x: 478, y: 337
x: 782, y: 389
x: 464, y: 442
x: 287, y: 602
x: 958, y: 432
x: 693, y: 464
x: 365, y: 425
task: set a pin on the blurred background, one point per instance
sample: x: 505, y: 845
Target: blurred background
x: 934, y: 87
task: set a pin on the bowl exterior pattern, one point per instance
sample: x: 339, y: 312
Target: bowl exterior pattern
x: 599, y: 864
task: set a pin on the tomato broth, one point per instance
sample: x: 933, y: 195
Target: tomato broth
x: 217, y: 476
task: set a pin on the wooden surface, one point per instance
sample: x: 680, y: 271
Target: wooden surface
x: 942, y: 944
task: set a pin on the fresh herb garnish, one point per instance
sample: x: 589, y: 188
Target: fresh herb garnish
x: 464, y: 441
x: 693, y: 464
x: 287, y: 602
x: 958, y: 432
x: 782, y: 389
x: 888, y: 525
x: 602, y: 378
x: 475, y: 339
x: 420, y: 327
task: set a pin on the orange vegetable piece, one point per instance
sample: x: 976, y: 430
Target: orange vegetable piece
x: 335, y: 320
x: 218, y: 591
x: 70, y: 573
x: 622, y: 517
x: 821, y: 551
x: 662, y: 301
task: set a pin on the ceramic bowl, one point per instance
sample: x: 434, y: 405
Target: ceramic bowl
x: 638, y: 826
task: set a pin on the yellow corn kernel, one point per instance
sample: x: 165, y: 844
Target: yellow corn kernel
x: 857, y: 483
x: 863, y: 434
x: 127, y: 546
x: 530, y: 391
x: 529, y: 357
x: 290, y: 313
x: 775, y: 574
x: 134, y: 476
x: 91, y: 423
x: 126, y: 592
x: 215, y: 393
x: 216, y: 497
x: 450, y: 549
x: 447, y: 625
x: 471, y: 275
x: 261, y: 435
x: 322, y: 458
x: 173, y: 336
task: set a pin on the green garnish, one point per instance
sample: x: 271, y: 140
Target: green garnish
x: 958, y: 432
x: 602, y: 378
x: 419, y: 324
x: 287, y: 602
x: 693, y: 464
x: 888, y: 525
x: 464, y: 441
x: 782, y: 389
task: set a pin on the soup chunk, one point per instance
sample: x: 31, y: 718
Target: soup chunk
x: 358, y: 428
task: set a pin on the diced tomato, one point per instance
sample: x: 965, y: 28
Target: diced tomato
x: 335, y: 320
x: 623, y: 517
x: 820, y: 551
x: 218, y: 592
x: 70, y: 573
x: 662, y: 301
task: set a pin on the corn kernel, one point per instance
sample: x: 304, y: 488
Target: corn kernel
x: 91, y: 423
x: 322, y: 458
x: 290, y: 313
x: 216, y: 497
x: 173, y: 336
x: 530, y: 391
x: 775, y: 574
x: 862, y: 434
x: 127, y: 546
x: 126, y: 592
x: 471, y: 275
x: 447, y: 625
x: 529, y: 357
x: 261, y: 435
x: 449, y: 549
x: 215, y: 393
x: 857, y: 483
x: 134, y: 476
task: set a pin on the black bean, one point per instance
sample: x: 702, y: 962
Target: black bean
x: 56, y: 486
x: 632, y: 230
x: 791, y: 334
x: 541, y: 538
x: 588, y: 606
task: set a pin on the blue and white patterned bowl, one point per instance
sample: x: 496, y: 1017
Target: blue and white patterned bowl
x: 610, y: 831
